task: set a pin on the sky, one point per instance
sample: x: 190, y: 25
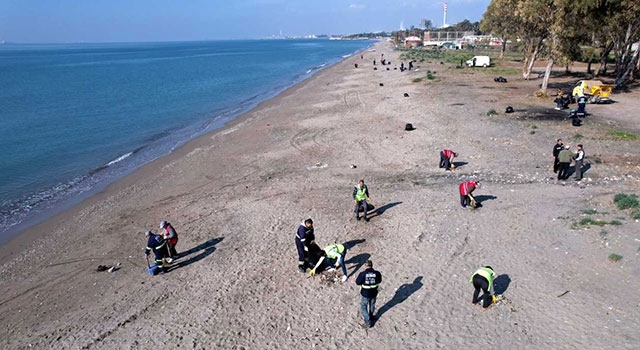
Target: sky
x: 68, y: 21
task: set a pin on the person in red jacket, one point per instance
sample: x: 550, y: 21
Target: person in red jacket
x: 466, y: 188
x: 446, y: 159
x: 170, y: 235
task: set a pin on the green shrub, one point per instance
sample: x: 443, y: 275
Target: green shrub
x: 430, y: 76
x: 491, y: 112
x: 603, y: 233
x: 532, y: 132
x: 589, y: 211
x: 577, y: 137
x: 623, y: 135
x: 417, y: 80
x: 615, y: 222
x: 615, y: 257
x: 591, y: 221
x: 636, y: 215
x: 626, y: 201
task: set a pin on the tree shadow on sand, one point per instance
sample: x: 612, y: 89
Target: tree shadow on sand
x: 383, y: 208
x: 204, y: 249
x: 402, y: 294
x: 501, y: 283
x: 359, y: 260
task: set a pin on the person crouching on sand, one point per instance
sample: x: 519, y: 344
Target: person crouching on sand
x: 466, y: 188
x: 482, y: 279
x: 446, y: 159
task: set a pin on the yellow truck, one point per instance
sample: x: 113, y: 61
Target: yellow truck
x: 594, y: 90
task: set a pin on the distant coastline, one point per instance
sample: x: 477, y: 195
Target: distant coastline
x: 42, y: 206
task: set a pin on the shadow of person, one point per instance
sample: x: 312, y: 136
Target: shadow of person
x: 204, y: 249
x: 402, y: 294
x: 483, y: 197
x: 384, y: 208
x: 352, y: 243
x: 501, y: 283
x: 359, y: 260
x: 585, y: 168
x: 459, y: 164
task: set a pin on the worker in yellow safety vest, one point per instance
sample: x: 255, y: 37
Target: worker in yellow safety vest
x: 483, y: 279
x: 360, y: 196
x: 333, y: 256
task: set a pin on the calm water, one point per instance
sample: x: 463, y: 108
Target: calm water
x: 76, y: 117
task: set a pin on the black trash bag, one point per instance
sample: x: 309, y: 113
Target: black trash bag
x: 406, y: 94
x: 509, y: 109
x: 409, y: 127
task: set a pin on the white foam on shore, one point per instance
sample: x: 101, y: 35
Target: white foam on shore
x: 119, y: 159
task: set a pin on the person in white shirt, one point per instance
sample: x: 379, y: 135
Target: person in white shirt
x: 579, y: 158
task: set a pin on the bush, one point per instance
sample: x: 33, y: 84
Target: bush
x: 591, y: 221
x: 491, y: 112
x: 589, y: 211
x: 417, y: 80
x: 623, y: 135
x: 636, y: 215
x: 626, y: 201
x: 430, y: 76
x: 615, y: 257
x: 615, y: 223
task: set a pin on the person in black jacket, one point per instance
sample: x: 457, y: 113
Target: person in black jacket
x: 157, y: 244
x: 369, y: 280
x: 559, y: 146
x: 304, y: 238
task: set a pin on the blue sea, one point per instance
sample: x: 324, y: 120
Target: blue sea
x: 76, y: 117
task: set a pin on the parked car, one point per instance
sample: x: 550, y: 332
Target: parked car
x: 449, y: 45
x: 479, y: 61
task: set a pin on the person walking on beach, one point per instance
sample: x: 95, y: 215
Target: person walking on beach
x: 360, y: 196
x: 446, y: 159
x: 304, y: 238
x: 157, y: 244
x: 466, y: 198
x: 333, y: 256
x: 564, y: 160
x: 482, y: 279
x: 559, y: 146
x: 579, y: 158
x: 368, y: 280
x: 170, y: 235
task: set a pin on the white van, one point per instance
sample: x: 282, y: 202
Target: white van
x: 479, y: 61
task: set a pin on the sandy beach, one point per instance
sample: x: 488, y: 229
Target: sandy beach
x: 237, y: 195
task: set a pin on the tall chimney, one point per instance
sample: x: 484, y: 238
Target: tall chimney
x: 444, y: 20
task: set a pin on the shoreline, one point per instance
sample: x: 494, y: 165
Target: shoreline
x: 237, y: 195
x: 218, y: 122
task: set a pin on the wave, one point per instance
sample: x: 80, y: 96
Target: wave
x: 119, y: 159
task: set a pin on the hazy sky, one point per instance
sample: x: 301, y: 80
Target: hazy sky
x: 44, y: 21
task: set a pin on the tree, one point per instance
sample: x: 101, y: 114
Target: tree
x: 500, y: 21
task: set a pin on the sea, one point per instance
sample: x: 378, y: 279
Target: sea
x: 76, y: 117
